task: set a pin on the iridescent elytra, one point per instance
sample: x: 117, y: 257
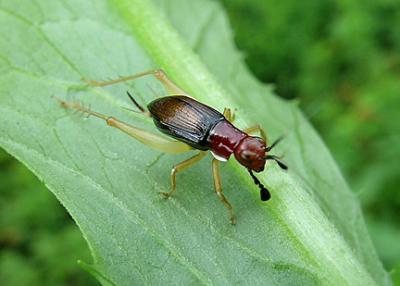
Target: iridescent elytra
x: 191, y: 125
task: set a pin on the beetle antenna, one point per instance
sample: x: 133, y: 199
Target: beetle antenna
x: 274, y: 144
x: 277, y: 160
x: 264, y: 193
x: 135, y: 102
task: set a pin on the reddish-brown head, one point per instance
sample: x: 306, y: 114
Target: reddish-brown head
x: 251, y: 153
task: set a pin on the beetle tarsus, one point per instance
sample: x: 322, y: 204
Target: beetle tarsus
x: 165, y: 195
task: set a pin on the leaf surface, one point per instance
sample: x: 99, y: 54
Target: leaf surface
x: 310, y: 233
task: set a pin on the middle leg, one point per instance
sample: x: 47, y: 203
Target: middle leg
x: 218, y: 190
x: 180, y: 167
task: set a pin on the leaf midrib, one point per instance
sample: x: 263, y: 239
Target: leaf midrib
x: 145, y: 21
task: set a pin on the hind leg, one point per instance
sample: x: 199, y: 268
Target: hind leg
x: 152, y: 140
x: 159, y: 74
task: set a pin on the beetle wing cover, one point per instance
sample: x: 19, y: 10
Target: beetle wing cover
x: 185, y: 119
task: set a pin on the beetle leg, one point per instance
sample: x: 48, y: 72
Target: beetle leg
x: 218, y: 189
x: 180, y: 167
x: 157, y: 142
x: 159, y: 74
x: 229, y: 115
x: 255, y: 129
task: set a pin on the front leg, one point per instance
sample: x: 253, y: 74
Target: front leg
x: 255, y: 129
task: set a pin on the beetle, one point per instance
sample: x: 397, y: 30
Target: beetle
x: 190, y: 125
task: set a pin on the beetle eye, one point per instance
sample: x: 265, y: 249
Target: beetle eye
x: 246, y: 155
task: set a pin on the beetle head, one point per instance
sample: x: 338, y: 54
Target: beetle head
x: 251, y: 153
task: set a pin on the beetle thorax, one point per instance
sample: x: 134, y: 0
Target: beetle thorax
x: 224, y: 139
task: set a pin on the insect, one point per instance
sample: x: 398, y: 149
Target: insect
x: 193, y: 125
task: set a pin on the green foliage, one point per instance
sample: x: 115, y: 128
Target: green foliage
x: 341, y: 59
x: 311, y: 233
x: 38, y: 247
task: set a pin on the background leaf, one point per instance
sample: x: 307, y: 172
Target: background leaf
x: 312, y: 232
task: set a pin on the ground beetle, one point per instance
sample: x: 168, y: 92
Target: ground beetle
x: 194, y: 126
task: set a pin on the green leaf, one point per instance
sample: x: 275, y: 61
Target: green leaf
x: 310, y: 233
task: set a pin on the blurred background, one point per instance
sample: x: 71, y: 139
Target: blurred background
x: 339, y: 59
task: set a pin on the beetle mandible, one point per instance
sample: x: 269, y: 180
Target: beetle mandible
x: 194, y: 125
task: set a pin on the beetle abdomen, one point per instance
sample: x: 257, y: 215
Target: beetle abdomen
x: 184, y: 119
